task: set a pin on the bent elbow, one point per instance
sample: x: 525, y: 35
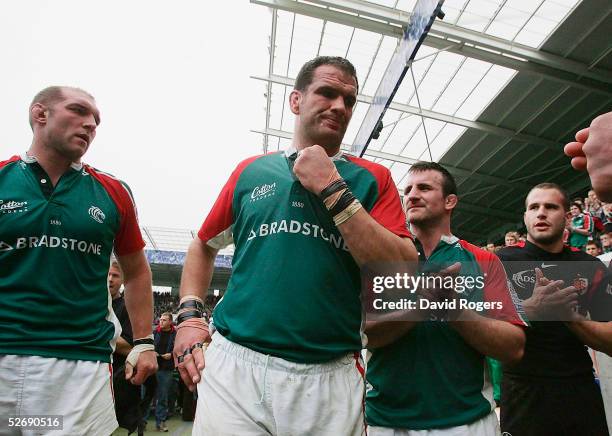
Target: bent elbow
x: 515, y: 354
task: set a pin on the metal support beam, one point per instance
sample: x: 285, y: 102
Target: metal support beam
x: 388, y: 21
x: 270, y: 71
x: 148, y: 233
x: 457, y: 172
x: 476, y: 125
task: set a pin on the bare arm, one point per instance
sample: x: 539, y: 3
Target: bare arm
x: 198, y: 269
x: 583, y: 232
x: 368, y: 241
x: 138, y: 292
x: 123, y: 347
x: 139, y: 304
x: 595, y: 334
x: 197, y: 274
x: 498, y: 339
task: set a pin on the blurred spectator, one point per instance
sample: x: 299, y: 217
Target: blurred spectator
x: 606, y: 242
x: 580, y: 226
x: 607, y: 207
x: 511, y: 239
x: 593, y: 249
x: 594, y: 206
x: 164, y: 336
x: 490, y: 247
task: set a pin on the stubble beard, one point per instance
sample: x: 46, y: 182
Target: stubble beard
x: 548, y: 239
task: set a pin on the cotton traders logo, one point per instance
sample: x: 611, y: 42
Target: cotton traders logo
x: 263, y: 191
x: 13, y: 206
x: 97, y: 214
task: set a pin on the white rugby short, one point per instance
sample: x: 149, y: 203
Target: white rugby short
x: 78, y: 391
x: 243, y: 392
x: 485, y: 426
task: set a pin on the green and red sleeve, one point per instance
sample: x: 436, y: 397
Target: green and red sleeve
x: 388, y: 208
x: 221, y: 216
x: 128, y: 238
x: 496, y: 285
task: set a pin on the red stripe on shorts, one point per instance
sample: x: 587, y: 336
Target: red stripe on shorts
x: 361, y: 370
x: 110, y: 369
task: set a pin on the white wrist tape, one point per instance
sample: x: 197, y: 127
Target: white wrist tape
x: 132, y: 357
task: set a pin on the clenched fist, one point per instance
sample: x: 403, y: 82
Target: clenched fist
x: 314, y: 169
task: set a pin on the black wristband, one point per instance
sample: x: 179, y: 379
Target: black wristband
x: 188, y: 315
x: 343, y: 202
x: 332, y: 188
x: 144, y: 341
x: 195, y: 304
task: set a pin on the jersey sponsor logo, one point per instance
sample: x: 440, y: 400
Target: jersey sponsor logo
x: 13, y: 206
x: 525, y: 278
x: 296, y: 227
x: 263, y: 191
x: 53, y: 242
x: 97, y: 214
x: 5, y: 247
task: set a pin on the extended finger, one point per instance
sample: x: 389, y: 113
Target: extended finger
x: 191, y: 368
x: 583, y: 135
x: 538, y: 275
x: 573, y: 149
x: 185, y: 376
x: 139, y: 377
x: 553, y: 286
x: 197, y: 352
x: 129, y: 371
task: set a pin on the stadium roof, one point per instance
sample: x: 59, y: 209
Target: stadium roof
x: 501, y: 85
x: 494, y: 92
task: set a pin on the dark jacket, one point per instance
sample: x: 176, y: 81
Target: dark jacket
x: 157, y: 335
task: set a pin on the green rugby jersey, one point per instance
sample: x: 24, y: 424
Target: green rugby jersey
x: 55, y: 246
x: 294, y: 292
x: 431, y: 378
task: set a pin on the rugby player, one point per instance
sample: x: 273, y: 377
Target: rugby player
x: 431, y: 377
x: 285, y: 357
x: 60, y: 220
x: 552, y: 389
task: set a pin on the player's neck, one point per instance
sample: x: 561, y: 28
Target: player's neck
x: 429, y: 236
x: 54, y: 164
x: 553, y: 247
x: 302, y: 143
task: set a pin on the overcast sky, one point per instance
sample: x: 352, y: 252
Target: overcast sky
x: 171, y: 80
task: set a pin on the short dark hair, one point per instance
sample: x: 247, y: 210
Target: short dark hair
x: 304, y: 77
x: 548, y: 185
x: 448, y: 181
x: 51, y: 95
x: 578, y: 205
x: 168, y: 314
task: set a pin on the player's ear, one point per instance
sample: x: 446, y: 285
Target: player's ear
x: 39, y: 113
x: 450, y: 202
x: 295, y: 98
